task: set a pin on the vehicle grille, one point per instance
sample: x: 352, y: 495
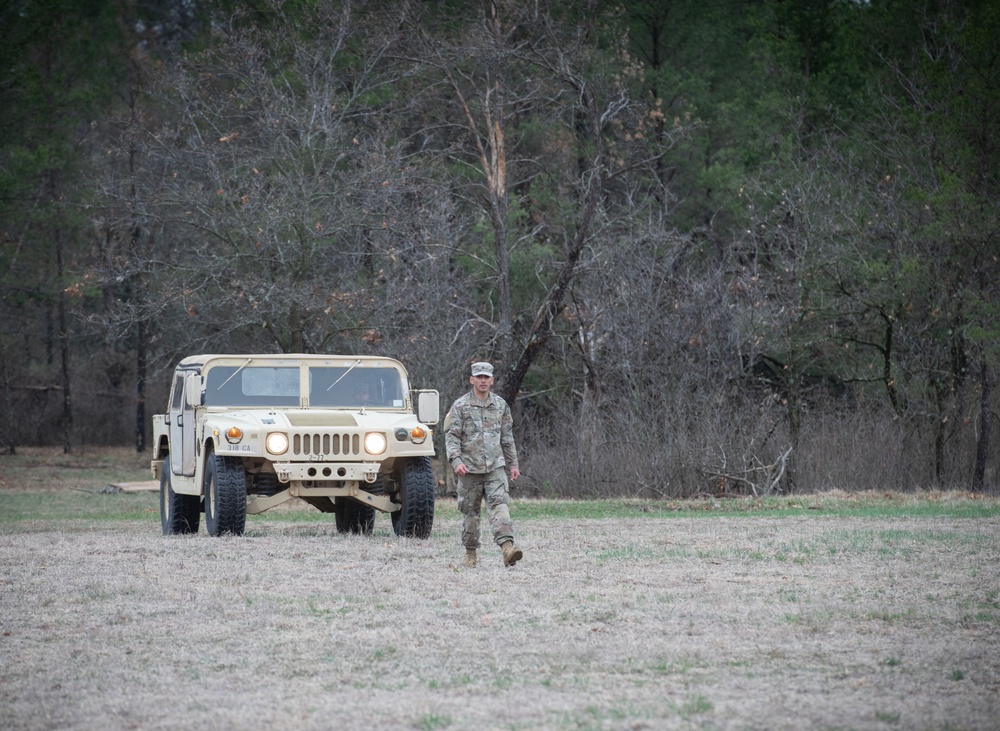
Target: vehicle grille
x: 326, y: 445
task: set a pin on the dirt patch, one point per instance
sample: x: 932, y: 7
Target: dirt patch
x: 749, y: 623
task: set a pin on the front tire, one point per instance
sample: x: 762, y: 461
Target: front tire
x: 178, y: 513
x: 225, y: 496
x: 416, y: 493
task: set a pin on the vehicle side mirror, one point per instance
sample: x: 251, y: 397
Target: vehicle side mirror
x: 194, y: 394
x: 428, y: 406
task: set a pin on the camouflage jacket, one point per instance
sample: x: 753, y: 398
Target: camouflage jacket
x: 480, y: 434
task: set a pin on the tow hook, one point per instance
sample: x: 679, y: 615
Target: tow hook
x: 371, y: 472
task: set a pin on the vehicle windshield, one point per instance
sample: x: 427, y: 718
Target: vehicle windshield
x: 252, y: 386
x: 340, y: 387
x: 355, y: 387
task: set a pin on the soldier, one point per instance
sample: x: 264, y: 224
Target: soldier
x: 362, y: 394
x: 479, y: 438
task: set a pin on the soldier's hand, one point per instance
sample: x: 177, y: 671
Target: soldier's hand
x: 461, y: 470
x: 514, y: 473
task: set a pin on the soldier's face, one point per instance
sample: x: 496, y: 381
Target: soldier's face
x: 481, y: 385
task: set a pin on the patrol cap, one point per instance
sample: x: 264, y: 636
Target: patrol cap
x: 482, y: 369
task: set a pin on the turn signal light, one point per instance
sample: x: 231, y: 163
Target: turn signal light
x: 234, y: 435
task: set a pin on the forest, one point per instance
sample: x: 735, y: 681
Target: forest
x: 713, y: 247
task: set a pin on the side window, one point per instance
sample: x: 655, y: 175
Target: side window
x: 178, y: 399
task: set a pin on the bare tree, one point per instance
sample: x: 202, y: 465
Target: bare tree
x: 532, y: 114
x: 260, y: 160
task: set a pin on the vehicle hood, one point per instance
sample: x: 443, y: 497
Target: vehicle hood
x: 317, y: 418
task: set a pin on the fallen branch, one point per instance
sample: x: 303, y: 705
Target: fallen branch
x: 771, y: 473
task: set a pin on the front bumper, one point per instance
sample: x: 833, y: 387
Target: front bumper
x: 324, y: 479
x: 326, y: 471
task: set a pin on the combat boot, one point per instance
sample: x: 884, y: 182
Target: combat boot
x: 511, y: 553
x: 470, y: 558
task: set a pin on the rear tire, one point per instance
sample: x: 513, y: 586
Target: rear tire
x: 178, y: 513
x: 225, y: 495
x: 416, y: 492
x: 353, y: 517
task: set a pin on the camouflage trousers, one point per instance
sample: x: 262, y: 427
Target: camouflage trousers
x: 471, y: 491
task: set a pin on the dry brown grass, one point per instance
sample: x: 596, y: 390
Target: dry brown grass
x: 742, y: 622
x: 655, y: 623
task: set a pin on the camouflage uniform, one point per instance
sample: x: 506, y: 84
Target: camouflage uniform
x: 480, y: 435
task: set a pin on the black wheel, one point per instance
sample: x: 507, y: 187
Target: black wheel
x: 416, y: 493
x: 225, y: 496
x: 353, y: 517
x: 178, y: 513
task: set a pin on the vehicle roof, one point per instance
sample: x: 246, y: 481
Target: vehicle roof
x: 195, y: 361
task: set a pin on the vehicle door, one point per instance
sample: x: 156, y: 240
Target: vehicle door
x: 182, y: 423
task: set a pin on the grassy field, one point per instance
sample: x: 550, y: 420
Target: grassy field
x: 833, y: 611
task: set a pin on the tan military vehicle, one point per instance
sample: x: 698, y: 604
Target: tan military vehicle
x: 244, y: 433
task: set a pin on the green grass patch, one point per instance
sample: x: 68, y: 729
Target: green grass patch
x: 695, y: 705
x: 93, y: 504
x: 889, y: 717
x: 839, y: 504
x: 625, y: 553
x: 433, y: 721
x: 77, y: 505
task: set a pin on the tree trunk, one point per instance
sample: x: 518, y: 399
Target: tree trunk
x: 939, y: 432
x: 541, y: 328
x: 794, y: 425
x: 7, y: 404
x: 140, y: 387
x: 985, y: 424
x: 135, y: 240
x: 505, y: 326
x: 67, y: 402
x: 887, y: 355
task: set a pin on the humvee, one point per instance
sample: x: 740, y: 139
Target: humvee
x: 245, y: 433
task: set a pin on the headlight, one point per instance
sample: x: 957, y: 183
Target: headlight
x: 418, y: 434
x: 276, y: 442
x: 374, y: 442
x: 234, y: 435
